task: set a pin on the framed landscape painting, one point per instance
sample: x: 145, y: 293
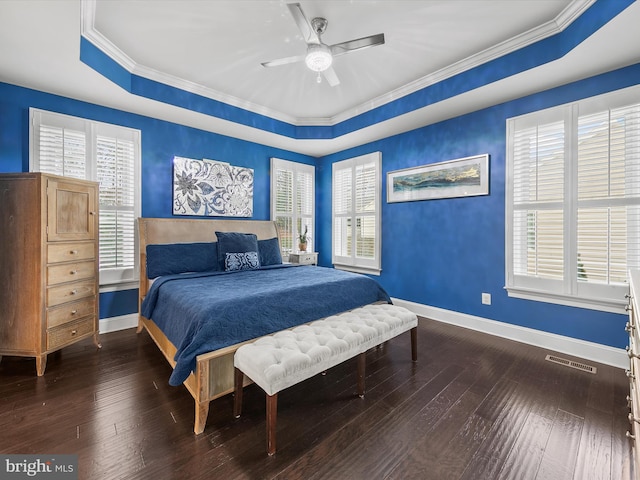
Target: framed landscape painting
x: 463, y: 177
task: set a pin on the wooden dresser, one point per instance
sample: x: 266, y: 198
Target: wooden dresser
x: 48, y: 264
x: 634, y: 366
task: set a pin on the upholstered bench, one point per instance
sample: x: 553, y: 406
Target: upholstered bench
x: 278, y: 361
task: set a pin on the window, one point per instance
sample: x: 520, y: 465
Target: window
x: 292, y: 202
x: 109, y: 154
x: 356, y: 213
x: 573, y: 202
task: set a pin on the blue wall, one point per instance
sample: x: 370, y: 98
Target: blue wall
x: 161, y: 141
x: 445, y: 253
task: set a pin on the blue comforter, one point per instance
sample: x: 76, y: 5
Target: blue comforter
x: 201, y: 312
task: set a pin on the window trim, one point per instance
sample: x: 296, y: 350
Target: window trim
x: 567, y: 292
x: 109, y: 279
x: 352, y: 263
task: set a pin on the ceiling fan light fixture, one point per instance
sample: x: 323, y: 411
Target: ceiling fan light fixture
x: 318, y: 57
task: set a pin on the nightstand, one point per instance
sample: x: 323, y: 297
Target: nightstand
x: 304, y: 258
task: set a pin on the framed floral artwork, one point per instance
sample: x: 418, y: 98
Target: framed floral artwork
x: 212, y: 189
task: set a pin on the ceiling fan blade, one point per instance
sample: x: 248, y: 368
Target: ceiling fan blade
x: 331, y: 77
x: 283, y: 61
x: 309, y: 35
x: 358, y: 44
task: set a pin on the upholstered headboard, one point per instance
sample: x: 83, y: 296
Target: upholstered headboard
x: 186, y: 230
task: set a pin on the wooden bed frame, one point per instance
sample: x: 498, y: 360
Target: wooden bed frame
x: 214, y: 374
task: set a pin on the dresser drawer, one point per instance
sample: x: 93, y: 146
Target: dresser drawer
x: 68, y: 312
x: 70, y: 292
x: 69, y: 332
x: 69, y: 272
x: 67, y: 252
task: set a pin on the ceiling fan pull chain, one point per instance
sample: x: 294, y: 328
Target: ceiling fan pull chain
x: 319, y: 79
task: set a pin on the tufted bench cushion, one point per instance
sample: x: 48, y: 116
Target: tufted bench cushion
x: 278, y: 361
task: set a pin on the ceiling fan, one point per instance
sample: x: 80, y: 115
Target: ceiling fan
x: 319, y: 56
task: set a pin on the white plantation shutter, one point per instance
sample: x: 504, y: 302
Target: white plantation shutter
x: 356, y: 213
x: 293, y: 202
x: 62, y: 151
x: 366, y: 192
x: 342, y: 213
x: 538, y: 191
x: 282, y: 206
x: 573, y: 202
x: 115, y: 167
x: 305, y: 204
x: 608, y: 193
x: 108, y: 154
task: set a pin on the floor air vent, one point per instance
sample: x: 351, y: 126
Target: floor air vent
x: 570, y: 363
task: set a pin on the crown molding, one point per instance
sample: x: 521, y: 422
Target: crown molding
x: 562, y: 21
x: 197, y: 89
x: 88, y: 31
x: 557, y: 25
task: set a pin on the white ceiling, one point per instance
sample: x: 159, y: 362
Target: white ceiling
x: 221, y: 44
x: 215, y: 48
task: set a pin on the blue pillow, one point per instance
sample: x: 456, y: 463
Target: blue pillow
x: 234, y: 242
x: 241, y: 261
x: 269, y: 251
x: 172, y: 258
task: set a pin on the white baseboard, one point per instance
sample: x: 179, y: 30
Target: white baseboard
x: 615, y: 357
x: 113, y: 324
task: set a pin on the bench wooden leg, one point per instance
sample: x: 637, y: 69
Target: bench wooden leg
x: 361, y: 371
x: 414, y: 344
x: 237, y: 398
x: 272, y: 413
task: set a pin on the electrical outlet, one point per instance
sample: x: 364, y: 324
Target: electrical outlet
x: 486, y: 299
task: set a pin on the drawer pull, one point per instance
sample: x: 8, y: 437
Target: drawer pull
x: 92, y: 213
x: 73, y: 272
x: 73, y: 252
x: 73, y: 332
x: 73, y: 292
x: 630, y: 436
x: 73, y: 312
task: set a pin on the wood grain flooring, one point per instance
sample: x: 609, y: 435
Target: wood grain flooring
x: 473, y: 407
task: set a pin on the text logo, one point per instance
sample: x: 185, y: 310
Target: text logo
x: 50, y: 467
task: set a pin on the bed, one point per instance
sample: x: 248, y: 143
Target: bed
x: 209, y: 286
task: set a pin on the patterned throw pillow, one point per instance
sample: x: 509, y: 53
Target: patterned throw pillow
x: 241, y: 261
x: 235, y: 242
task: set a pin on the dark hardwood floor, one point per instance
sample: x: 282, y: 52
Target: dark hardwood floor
x: 472, y: 407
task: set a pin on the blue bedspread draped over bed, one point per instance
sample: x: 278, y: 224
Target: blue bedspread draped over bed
x: 201, y: 312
